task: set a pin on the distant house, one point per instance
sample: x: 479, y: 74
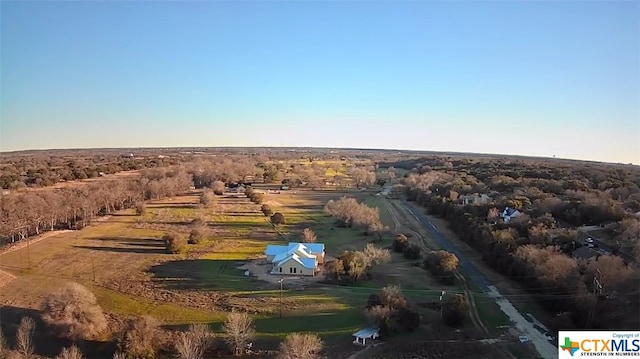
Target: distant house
x: 475, y: 199
x: 508, y: 214
x: 585, y: 253
x: 295, y: 258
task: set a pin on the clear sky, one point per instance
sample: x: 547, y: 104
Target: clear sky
x: 537, y: 78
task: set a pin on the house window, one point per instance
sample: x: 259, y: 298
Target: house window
x: 295, y: 270
x: 280, y: 269
x: 290, y: 270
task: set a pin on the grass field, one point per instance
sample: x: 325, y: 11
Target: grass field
x: 123, y: 261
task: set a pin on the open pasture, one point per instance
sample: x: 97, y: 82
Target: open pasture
x: 123, y: 261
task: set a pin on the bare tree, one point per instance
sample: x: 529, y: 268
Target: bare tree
x: 239, y: 330
x: 141, y: 209
x: 70, y: 353
x: 392, y: 297
x: 207, y: 199
x: 377, y: 314
x: 174, y: 243
x: 308, y: 236
x: 493, y: 214
x: 378, y: 228
x: 73, y: 312
x: 376, y: 255
x: 139, y: 337
x: 119, y: 355
x: 300, y: 346
x: 194, y: 343
x: 24, y: 337
x: 334, y: 269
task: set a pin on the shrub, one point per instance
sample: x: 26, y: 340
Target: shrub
x: 377, y: 315
x: 218, y: 188
x: 308, y: 236
x: 197, y: 235
x: 140, y: 337
x: 73, y: 312
x: 266, y: 210
x: 441, y: 262
x: 207, y: 199
x: 392, y: 297
x: 141, y: 209
x: 412, y: 251
x: 407, y: 319
x: 453, y: 310
x: 173, y: 243
x: 277, y: 219
x: 256, y: 198
x: 400, y: 243
x: 300, y: 346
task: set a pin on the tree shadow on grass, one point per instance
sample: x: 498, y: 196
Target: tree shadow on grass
x: 129, y: 245
x: 173, y: 206
x: 125, y: 250
x: 45, y: 343
x: 202, y: 274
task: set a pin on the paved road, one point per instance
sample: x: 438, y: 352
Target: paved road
x: 477, y: 277
x: 542, y: 345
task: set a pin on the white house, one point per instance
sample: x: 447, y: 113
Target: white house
x: 508, y: 214
x: 295, y: 258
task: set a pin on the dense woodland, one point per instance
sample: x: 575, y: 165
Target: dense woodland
x: 534, y: 249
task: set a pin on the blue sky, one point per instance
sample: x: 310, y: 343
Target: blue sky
x: 537, y: 78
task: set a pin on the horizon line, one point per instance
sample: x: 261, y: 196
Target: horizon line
x: 417, y: 151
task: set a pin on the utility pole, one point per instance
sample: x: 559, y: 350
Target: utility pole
x: 28, y: 254
x: 442, y: 304
x: 280, y: 281
x: 597, y: 290
x: 93, y: 267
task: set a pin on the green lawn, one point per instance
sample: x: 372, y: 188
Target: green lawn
x: 490, y: 313
x: 343, y: 322
x: 126, y: 304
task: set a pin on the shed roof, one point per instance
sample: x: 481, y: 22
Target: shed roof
x: 366, y: 333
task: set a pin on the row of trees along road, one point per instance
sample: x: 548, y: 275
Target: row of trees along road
x: 533, y: 248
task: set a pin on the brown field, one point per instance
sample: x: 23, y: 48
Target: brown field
x: 123, y: 261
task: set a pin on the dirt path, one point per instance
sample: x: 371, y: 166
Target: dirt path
x: 426, y: 244
x: 473, y: 311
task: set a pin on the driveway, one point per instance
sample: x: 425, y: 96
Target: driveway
x: 542, y: 345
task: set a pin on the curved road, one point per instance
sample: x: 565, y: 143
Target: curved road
x: 542, y: 345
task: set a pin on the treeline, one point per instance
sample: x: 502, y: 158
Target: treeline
x: 29, y: 213
x: 532, y: 248
x: 22, y: 171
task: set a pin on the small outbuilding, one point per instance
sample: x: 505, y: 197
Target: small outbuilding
x: 361, y: 336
